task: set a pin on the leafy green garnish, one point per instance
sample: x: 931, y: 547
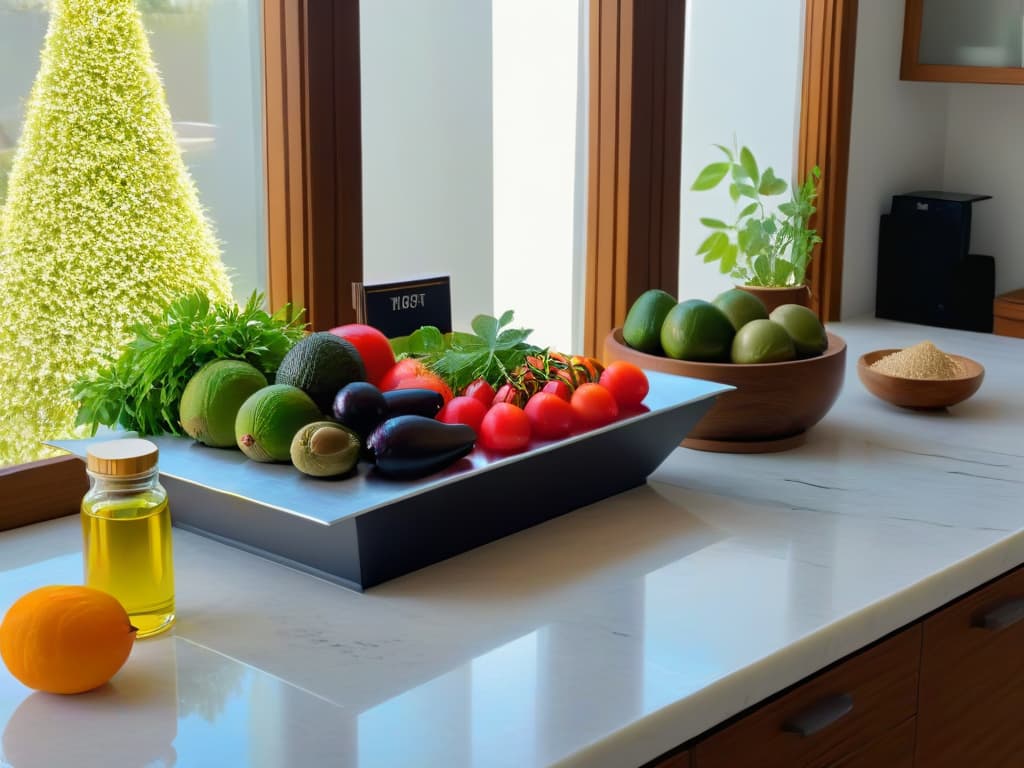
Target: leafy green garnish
x: 142, y: 389
x: 491, y: 352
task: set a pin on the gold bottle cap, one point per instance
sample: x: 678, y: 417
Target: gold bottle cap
x: 122, y: 458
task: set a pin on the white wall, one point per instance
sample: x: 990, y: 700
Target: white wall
x: 983, y: 154
x: 427, y: 146
x: 729, y: 88
x: 536, y: 52
x: 959, y: 137
x: 898, y: 144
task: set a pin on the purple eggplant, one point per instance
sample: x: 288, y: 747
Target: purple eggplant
x: 413, y: 446
x: 414, y: 402
x: 360, y: 406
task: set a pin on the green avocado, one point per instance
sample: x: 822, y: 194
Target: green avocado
x: 320, y: 365
x: 740, y: 307
x: 269, y: 419
x: 697, y: 330
x: 804, y: 328
x: 212, y: 398
x: 762, y: 341
x: 642, y: 329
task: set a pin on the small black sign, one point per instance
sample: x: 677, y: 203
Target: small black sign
x: 398, y: 309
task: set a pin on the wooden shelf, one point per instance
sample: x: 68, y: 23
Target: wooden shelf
x: 940, y: 73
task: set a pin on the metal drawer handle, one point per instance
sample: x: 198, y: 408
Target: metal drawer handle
x: 1003, y: 616
x: 820, y: 715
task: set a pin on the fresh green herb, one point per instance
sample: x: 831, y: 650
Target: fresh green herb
x: 759, y: 247
x: 491, y: 352
x: 141, y: 390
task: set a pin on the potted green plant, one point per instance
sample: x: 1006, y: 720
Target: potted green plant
x: 766, y: 248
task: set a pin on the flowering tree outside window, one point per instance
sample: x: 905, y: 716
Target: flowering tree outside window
x: 102, y: 225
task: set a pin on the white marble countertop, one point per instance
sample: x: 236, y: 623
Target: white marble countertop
x: 602, y: 638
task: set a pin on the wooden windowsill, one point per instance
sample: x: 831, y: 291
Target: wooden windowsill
x: 41, y: 490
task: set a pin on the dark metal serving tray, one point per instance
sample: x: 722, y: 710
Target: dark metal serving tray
x: 366, y: 529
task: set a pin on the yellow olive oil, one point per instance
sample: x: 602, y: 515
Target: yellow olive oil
x: 128, y: 553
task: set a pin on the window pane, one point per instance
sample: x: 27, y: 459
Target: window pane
x: 725, y: 99
x: 474, y: 138
x: 209, y: 56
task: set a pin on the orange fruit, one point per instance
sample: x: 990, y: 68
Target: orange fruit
x: 65, y: 639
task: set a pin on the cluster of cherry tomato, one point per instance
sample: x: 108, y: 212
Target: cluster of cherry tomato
x: 553, y: 413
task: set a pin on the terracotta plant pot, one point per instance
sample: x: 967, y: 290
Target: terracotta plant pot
x: 776, y: 297
x: 773, y: 406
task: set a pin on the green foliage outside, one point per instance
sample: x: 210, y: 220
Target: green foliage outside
x: 146, y: 6
x: 102, y: 226
x: 6, y: 156
x: 759, y: 246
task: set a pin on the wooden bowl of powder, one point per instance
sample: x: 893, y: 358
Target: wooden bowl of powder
x: 922, y: 376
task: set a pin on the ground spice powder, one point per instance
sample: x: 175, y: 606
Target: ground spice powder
x: 921, y: 361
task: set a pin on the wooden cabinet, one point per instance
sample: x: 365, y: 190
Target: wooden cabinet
x: 678, y: 760
x: 895, y: 749
x: 981, y: 41
x: 972, y: 680
x: 947, y: 691
x: 1008, y: 314
x: 834, y: 715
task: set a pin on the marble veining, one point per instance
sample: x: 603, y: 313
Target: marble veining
x: 602, y: 638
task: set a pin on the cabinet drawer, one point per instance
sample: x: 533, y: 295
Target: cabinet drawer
x: 1008, y: 326
x: 1008, y: 314
x: 893, y: 750
x: 678, y: 760
x: 972, y: 680
x: 832, y: 715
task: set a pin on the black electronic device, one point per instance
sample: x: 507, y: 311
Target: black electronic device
x: 925, y: 273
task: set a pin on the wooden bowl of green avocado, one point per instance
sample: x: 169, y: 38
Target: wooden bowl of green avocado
x: 773, y: 405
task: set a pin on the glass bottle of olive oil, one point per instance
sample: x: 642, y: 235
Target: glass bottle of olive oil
x: 126, y: 527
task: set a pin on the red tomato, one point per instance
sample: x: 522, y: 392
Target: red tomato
x: 505, y: 429
x: 558, y: 388
x: 550, y: 416
x: 463, y: 410
x: 593, y: 406
x: 480, y: 390
x: 373, y: 347
x: 403, y: 369
x: 627, y: 383
x: 427, y: 381
x: 506, y: 394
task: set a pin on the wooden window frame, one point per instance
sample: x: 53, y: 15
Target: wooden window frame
x: 826, y: 103
x: 313, y: 156
x: 314, y: 177
x: 633, y: 192
x: 41, y: 490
